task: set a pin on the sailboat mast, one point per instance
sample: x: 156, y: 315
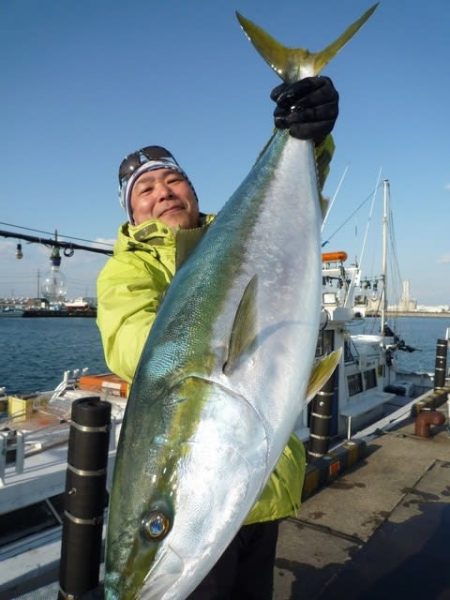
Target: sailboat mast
x: 384, y: 303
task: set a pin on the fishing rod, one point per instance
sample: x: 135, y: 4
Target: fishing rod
x: 68, y: 247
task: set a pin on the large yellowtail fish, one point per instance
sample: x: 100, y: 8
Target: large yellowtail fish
x: 224, y: 373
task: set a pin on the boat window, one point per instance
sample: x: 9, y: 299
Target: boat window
x: 361, y: 300
x: 325, y: 342
x: 23, y: 522
x: 329, y: 298
x: 348, y: 355
x: 354, y: 384
x: 370, y: 379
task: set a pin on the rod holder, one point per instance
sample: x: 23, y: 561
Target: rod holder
x: 320, y: 424
x: 84, y: 498
x: 441, y: 364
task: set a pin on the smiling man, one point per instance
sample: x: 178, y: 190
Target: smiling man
x: 164, y: 224
x: 160, y: 201
x: 153, y: 186
x: 164, y: 195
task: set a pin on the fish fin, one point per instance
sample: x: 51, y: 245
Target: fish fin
x: 324, y: 203
x: 321, y: 373
x: 243, y: 332
x: 291, y: 64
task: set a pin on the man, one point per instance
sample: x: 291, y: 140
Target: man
x: 160, y: 200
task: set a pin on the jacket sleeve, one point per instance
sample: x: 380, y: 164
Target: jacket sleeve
x: 129, y: 295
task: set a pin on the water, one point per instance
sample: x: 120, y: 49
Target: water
x: 421, y: 333
x: 36, y: 352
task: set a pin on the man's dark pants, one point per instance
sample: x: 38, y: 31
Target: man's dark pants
x: 245, y: 570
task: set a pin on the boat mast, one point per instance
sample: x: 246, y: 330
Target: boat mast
x: 384, y: 300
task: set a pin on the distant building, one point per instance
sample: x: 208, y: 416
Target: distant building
x: 433, y: 309
x: 407, y: 304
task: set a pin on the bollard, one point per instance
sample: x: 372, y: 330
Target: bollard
x: 425, y: 419
x: 321, y: 414
x: 85, y: 497
x: 448, y: 414
x: 441, y: 364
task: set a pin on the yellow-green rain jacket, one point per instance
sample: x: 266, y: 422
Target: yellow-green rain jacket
x: 130, y: 288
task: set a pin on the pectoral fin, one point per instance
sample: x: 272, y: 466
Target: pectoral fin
x: 321, y: 373
x: 243, y: 332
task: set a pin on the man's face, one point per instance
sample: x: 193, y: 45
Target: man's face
x: 165, y: 195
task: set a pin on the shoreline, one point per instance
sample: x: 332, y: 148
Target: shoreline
x: 416, y: 313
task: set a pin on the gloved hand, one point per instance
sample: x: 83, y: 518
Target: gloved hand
x: 308, y: 108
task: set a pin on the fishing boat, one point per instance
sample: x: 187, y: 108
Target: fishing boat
x: 34, y: 434
x: 367, y: 386
x: 77, y: 308
x: 11, y: 311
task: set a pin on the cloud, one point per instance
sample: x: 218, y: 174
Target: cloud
x: 108, y: 242
x: 7, y: 247
x: 447, y: 187
x: 444, y: 259
x: 104, y: 243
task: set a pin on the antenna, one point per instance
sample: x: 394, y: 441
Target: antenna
x: 335, y: 196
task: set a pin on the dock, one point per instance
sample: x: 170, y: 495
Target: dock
x: 381, y: 530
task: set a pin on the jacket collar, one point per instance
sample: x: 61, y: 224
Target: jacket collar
x: 154, y: 233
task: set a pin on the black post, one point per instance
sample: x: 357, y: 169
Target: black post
x: 441, y: 364
x: 85, y: 497
x: 321, y: 413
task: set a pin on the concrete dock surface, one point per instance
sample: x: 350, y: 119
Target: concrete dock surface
x: 379, y: 531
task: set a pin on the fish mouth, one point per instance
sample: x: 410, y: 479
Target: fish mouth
x: 159, y: 581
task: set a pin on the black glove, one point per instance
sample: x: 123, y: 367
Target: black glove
x: 308, y: 108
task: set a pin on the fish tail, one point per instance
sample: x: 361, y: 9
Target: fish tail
x: 292, y: 64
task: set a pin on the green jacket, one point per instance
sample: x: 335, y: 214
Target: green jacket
x: 130, y: 288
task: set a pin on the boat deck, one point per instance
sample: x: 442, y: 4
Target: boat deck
x: 380, y: 531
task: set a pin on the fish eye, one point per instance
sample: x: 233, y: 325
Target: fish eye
x: 156, y: 526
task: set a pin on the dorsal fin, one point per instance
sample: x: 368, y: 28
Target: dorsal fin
x: 243, y: 332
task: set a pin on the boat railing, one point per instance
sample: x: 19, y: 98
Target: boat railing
x: 69, y: 382
x: 13, y: 444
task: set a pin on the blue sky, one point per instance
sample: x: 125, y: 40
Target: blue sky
x: 85, y: 83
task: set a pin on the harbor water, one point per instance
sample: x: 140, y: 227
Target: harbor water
x: 36, y: 352
x: 420, y: 333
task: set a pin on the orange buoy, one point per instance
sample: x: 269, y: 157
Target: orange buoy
x: 334, y: 256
